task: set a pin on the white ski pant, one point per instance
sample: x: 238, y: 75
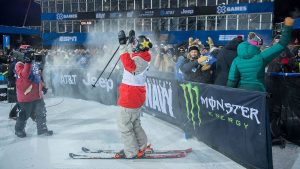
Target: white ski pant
x: 132, y: 133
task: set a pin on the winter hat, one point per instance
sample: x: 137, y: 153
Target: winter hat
x: 254, y: 39
x: 240, y: 37
x: 193, y: 48
x: 143, y: 44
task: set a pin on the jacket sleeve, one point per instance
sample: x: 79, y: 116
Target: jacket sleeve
x: 23, y: 71
x: 269, y: 54
x: 187, y: 67
x: 233, y: 76
x: 128, y: 63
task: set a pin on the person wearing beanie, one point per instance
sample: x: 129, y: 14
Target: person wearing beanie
x: 253, y: 39
x: 247, y: 70
x: 193, y: 64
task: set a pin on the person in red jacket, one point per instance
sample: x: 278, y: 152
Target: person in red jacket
x: 29, y: 95
x: 132, y: 93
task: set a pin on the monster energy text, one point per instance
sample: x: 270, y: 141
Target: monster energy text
x: 193, y: 108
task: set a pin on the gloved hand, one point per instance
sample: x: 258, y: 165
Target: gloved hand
x: 190, y: 41
x: 210, y: 42
x: 45, y: 90
x: 131, y: 37
x: 288, y: 21
x: 202, y: 60
x: 122, y: 37
x: 28, y: 58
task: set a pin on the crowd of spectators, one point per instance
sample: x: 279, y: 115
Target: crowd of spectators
x: 244, y: 63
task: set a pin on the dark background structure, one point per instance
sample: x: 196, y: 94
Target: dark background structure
x: 12, y: 12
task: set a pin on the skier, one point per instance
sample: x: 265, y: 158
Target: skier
x: 132, y: 93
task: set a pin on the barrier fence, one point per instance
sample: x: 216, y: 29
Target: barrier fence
x: 232, y: 121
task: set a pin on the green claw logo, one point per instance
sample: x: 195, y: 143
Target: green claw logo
x: 192, y: 103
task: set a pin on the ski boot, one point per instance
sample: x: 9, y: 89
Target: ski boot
x: 149, y: 149
x: 45, y: 133
x: 141, y: 153
x: 20, y: 134
x: 120, y: 155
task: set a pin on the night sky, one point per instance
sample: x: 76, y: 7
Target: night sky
x: 12, y: 12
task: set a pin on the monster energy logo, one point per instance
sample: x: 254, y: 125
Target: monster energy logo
x: 188, y: 91
x: 217, y: 108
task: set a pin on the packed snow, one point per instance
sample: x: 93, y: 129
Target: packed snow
x: 78, y: 123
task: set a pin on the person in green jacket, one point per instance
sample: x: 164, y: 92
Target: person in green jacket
x: 248, y: 68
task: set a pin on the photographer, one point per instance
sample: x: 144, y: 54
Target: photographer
x: 11, y: 85
x: 164, y: 60
x: 29, y: 87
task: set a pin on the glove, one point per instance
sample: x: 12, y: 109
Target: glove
x: 131, y: 37
x: 190, y: 41
x: 288, y: 21
x: 210, y: 42
x: 27, y: 58
x: 202, y: 60
x: 122, y: 37
x: 45, y: 90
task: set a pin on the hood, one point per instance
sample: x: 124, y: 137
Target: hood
x: 233, y: 44
x: 245, y: 50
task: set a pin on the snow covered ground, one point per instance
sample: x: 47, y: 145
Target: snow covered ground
x: 78, y: 123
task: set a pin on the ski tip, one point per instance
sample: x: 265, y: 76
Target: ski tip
x: 188, y: 150
x: 71, y: 155
x: 85, y: 149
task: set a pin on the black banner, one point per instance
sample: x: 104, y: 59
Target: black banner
x: 148, y: 13
x: 162, y: 99
x: 230, y: 120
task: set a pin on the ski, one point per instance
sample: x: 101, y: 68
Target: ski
x: 112, y: 156
x: 86, y: 150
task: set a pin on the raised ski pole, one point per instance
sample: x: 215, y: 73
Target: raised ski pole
x: 113, y: 68
x: 130, y: 39
x: 94, y: 85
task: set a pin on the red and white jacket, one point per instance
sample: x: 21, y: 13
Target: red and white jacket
x: 26, y: 90
x: 132, y: 91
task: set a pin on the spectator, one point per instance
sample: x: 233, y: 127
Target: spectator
x: 224, y: 60
x: 164, y: 60
x: 193, y: 67
x: 247, y: 70
x: 295, y: 62
x: 29, y: 95
x: 182, y: 57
